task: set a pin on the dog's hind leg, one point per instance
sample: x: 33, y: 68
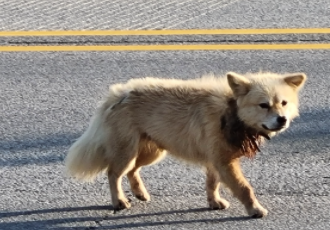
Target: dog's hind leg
x: 212, y: 190
x: 121, y: 163
x: 148, y: 154
x: 232, y: 176
x: 119, y: 200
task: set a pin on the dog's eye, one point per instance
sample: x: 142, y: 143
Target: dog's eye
x: 284, y: 103
x: 264, y: 105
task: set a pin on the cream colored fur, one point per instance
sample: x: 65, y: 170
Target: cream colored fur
x: 143, y: 118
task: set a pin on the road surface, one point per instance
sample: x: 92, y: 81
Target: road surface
x: 47, y: 99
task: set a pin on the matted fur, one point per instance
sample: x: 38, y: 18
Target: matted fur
x: 210, y: 121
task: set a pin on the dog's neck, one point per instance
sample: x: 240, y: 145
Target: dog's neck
x: 246, y: 139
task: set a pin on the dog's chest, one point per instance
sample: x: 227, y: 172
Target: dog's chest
x: 244, y: 140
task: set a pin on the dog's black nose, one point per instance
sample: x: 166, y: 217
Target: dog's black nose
x: 281, y: 120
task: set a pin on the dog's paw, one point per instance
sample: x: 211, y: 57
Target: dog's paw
x: 121, y: 204
x: 257, y: 211
x: 142, y: 196
x: 141, y: 192
x: 218, y: 203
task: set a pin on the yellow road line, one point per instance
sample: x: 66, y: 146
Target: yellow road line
x: 166, y: 32
x: 167, y: 47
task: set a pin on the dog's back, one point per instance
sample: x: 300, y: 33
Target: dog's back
x: 180, y: 118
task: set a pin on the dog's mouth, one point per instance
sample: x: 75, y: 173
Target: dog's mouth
x: 264, y: 135
x: 273, y: 130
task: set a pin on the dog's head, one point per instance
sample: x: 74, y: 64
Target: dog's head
x: 267, y: 102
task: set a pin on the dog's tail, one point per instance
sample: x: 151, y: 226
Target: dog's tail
x: 87, y: 157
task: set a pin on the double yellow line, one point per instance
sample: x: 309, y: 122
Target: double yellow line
x: 166, y: 33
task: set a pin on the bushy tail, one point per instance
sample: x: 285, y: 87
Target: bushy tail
x: 87, y: 156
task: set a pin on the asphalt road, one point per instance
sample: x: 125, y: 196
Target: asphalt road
x: 162, y: 14
x: 47, y: 99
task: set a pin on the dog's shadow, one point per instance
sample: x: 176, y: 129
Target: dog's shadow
x: 55, y: 222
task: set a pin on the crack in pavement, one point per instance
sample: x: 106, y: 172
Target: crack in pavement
x: 161, y: 39
x: 160, y: 42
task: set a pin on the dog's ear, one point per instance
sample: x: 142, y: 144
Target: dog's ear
x: 295, y: 80
x: 238, y: 83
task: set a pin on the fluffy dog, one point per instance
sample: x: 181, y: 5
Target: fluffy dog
x: 209, y: 121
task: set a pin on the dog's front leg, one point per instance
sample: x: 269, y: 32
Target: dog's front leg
x: 232, y: 176
x: 212, y: 190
